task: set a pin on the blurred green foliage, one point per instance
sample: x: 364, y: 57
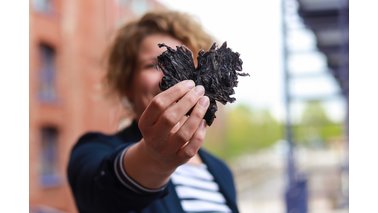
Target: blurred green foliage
x: 315, y: 128
x: 247, y: 130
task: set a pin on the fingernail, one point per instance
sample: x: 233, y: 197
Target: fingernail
x: 199, y: 89
x: 190, y: 84
x: 204, y: 101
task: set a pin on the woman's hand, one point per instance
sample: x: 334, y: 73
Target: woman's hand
x: 171, y: 137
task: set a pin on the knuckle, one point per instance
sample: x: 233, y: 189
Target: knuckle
x: 169, y: 119
x: 189, y: 152
x: 199, y: 136
x: 179, y: 88
x: 141, y: 124
x: 198, y: 113
x: 192, y: 98
x: 182, y: 136
x: 158, y: 103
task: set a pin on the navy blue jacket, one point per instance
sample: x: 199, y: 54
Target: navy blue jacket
x: 96, y: 188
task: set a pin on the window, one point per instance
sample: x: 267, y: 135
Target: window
x: 49, y: 157
x: 47, y: 90
x: 44, y: 6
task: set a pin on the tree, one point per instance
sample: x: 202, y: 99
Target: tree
x: 315, y: 127
x: 247, y: 130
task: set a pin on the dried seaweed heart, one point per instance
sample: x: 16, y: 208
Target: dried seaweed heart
x: 218, y: 70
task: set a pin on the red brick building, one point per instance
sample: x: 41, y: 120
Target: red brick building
x: 67, y: 43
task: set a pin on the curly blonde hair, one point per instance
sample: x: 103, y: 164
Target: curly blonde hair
x: 122, y: 57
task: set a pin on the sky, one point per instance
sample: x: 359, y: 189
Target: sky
x: 253, y: 28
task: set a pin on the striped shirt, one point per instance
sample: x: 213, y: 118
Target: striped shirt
x: 194, y: 184
x: 197, y: 190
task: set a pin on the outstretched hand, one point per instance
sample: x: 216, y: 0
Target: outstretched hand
x: 170, y: 136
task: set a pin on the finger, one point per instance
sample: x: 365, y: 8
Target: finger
x: 163, y: 100
x: 175, y: 112
x: 178, y: 125
x: 188, y: 129
x: 191, y: 148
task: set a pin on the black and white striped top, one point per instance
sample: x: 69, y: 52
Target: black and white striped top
x: 194, y: 184
x: 197, y: 190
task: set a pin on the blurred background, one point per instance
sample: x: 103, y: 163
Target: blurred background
x: 285, y: 137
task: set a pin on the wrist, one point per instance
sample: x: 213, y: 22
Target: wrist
x: 153, y: 159
x: 143, y: 168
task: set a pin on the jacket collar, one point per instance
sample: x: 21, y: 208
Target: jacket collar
x: 130, y: 133
x: 171, y: 202
x: 224, y: 183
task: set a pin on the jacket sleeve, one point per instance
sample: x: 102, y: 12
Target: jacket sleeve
x: 94, y: 181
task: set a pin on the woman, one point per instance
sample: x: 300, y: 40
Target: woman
x: 157, y: 163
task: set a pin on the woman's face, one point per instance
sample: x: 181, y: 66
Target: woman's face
x: 145, y: 84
